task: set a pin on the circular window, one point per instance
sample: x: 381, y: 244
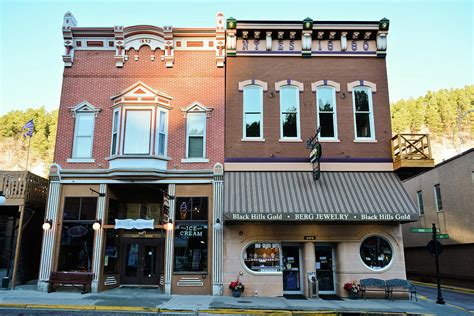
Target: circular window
x: 376, y: 252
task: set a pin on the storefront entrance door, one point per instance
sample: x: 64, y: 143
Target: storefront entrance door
x: 325, y: 269
x: 142, y: 261
x: 291, y: 269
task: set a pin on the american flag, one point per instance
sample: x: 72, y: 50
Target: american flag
x: 28, y: 128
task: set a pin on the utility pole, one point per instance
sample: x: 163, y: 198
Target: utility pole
x: 440, y: 299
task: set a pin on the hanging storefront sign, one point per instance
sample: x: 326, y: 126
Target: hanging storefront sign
x: 318, y: 217
x: 315, y: 154
x: 134, y: 223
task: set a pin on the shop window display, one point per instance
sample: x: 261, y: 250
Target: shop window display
x: 191, y: 235
x: 376, y: 252
x: 263, y: 257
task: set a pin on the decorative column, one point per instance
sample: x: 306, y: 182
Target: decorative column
x: 217, y: 231
x: 309, y: 264
x: 231, y: 36
x: 306, y: 38
x: 384, y: 24
x: 220, y: 40
x: 170, y: 239
x: 49, y: 236
x: 98, y: 237
x: 169, y: 46
x: 119, y: 56
x: 69, y: 21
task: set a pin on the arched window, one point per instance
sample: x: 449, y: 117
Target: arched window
x: 326, y: 112
x: 289, y: 112
x: 253, y: 112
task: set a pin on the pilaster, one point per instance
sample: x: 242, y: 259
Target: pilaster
x: 98, y: 238
x: 217, y: 231
x: 169, y: 240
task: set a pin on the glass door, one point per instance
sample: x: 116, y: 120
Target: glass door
x: 142, y: 261
x: 291, y: 269
x: 325, y: 266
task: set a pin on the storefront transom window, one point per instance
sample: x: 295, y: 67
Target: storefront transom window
x: 263, y: 257
x: 376, y: 252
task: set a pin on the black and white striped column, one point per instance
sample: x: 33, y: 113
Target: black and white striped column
x: 98, y: 238
x: 169, y: 240
x: 49, y: 236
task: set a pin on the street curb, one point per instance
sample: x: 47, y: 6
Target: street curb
x: 447, y: 287
x: 226, y: 311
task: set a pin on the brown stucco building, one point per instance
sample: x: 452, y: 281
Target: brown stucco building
x: 444, y: 196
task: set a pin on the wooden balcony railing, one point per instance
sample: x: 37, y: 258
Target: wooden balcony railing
x: 411, y: 150
x: 22, y: 187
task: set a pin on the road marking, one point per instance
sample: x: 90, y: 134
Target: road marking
x: 458, y: 307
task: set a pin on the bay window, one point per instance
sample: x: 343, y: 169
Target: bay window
x: 162, y: 133
x: 115, y: 132
x: 137, y: 132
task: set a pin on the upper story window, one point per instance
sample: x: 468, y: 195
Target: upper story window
x: 196, y: 135
x: 289, y: 109
x: 140, y: 122
x: 438, y: 200
x: 252, y: 122
x: 363, y: 109
x: 137, y: 131
x: 196, y: 118
x: 253, y: 111
x: 326, y: 108
x: 85, y: 114
x: 421, y: 206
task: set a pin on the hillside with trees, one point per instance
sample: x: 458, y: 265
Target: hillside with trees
x: 447, y: 115
x: 13, y: 146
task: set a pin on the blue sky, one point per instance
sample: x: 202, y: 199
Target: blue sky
x: 430, y: 43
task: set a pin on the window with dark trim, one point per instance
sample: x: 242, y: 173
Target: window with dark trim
x: 77, y: 235
x: 421, y: 206
x: 438, y: 199
x: 191, y: 234
x: 376, y: 252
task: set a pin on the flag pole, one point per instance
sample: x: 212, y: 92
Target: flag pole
x: 28, y: 154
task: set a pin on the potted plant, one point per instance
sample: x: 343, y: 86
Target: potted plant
x: 353, y: 288
x: 236, y: 287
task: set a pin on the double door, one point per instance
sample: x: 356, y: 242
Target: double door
x: 142, y: 261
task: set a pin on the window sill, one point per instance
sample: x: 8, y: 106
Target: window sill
x: 290, y: 140
x: 329, y: 140
x: 365, y: 141
x: 137, y: 156
x: 252, y: 140
x: 80, y: 160
x: 194, y: 160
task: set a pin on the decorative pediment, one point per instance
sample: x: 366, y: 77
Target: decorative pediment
x: 140, y: 93
x: 196, y: 107
x: 84, y: 107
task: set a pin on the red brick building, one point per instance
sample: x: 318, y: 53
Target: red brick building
x: 140, y: 135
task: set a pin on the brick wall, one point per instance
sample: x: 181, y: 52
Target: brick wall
x: 94, y: 78
x: 307, y: 70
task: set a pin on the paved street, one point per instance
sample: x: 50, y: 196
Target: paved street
x: 27, y: 301
x: 456, y: 298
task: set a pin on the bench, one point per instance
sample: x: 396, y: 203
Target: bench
x: 76, y: 279
x: 373, y: 285
x: 401, y: 286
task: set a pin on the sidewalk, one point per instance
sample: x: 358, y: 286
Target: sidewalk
x: 148, y: 302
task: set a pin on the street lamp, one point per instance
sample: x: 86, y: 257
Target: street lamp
x: 96, y: 225
x: 3, y: 199
x: 169, y: 225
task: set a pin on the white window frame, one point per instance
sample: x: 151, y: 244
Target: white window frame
x: 298, y: 125
x: 420, y: 202
x: 123, y: 129
x: 74, y: 148
x: 117, y: 132
x: 158, y: 132
x: 436, y: 198
x: 196, y: 159
x: 334, y: 112
x: 244, y: 129
x: 371, y: 114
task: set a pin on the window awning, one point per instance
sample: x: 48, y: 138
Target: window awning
x: 337, y: 196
